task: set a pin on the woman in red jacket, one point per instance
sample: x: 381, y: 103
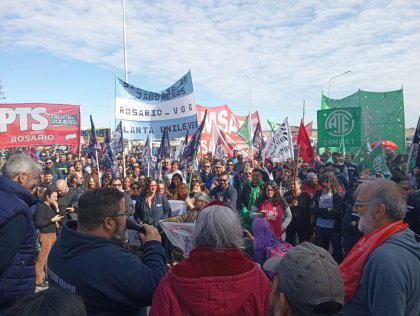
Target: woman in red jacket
x: 217, y: 278
x: 272, y: 206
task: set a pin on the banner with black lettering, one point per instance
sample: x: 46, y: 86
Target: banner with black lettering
x: 279, y: 145
x: 146, y: 113
x: 29, y: 124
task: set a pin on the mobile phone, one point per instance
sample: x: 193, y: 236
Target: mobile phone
x: 244, y: 234
x: 379, y: 175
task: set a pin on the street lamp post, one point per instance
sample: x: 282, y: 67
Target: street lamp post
x: 329, y: 81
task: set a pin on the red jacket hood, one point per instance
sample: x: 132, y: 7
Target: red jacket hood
x: 213, y: 282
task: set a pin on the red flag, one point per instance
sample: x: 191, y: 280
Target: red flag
x: 305, y: 148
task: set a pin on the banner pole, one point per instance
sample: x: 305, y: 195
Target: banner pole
x: 409, y: 158
x: 123, y: 162
x: 97, y: 167
x: 192, y: 168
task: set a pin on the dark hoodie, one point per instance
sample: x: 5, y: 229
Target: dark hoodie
x: 390, y: 283
x: 109, y: 279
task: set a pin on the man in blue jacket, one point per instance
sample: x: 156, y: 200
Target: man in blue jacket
x: 89, y: 260
x: 381, y: 273
x: 17, y: 230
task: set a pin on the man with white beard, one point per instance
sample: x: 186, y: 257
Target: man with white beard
x: 381, y: 273
x: 89, y: 260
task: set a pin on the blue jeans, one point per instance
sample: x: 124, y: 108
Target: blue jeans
x: 325, y: 236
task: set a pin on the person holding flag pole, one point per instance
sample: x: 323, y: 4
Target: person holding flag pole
x: 191, y: 148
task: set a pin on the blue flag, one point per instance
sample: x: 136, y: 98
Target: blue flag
x: 108, y: 157
x: 92, y: 147
x: 165, y: 146
x: 147, y: 151
x: 117, y: 144
x: 192, y: 146
x: 148, y: 159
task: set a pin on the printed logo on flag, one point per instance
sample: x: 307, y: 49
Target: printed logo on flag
x: 377, y: 164
x: 339, y: 123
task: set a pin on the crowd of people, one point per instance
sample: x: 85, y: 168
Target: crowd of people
x: 300, y: 238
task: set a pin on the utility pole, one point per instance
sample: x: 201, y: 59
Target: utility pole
x: 2, y: 97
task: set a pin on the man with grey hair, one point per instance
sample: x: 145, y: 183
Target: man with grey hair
x: 381, y: 273
x: 217, y: 278
x: 307, y: 281
x: 17, y: 230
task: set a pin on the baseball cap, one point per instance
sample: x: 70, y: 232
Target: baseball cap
x: 308, y: 276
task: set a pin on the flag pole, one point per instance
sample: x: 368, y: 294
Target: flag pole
x: 303, y: 116
x: 125, y: 44
x: 192, y: 168
x: 250, y: 146
x: 97, y: 166
x: 151, y: 152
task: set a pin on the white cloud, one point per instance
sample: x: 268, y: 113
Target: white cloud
x: 289, y: 48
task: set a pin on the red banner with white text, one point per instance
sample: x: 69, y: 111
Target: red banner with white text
x: 228, y: 123
x: 29, y: 124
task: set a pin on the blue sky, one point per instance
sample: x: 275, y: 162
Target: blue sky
x: 61, y: 51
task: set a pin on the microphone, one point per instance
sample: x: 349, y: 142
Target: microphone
x: 134, y: 226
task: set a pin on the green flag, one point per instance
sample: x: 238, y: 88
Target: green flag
x: 339, y: 127
x: 382, y: 117
x: 376, y: 160
x: 273, y: 126
x: 245, y: 131
x: 361, y: 152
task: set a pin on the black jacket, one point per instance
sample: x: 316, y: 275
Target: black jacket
x: 336, y: 213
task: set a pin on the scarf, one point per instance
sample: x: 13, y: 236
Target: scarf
x: 352, y: 266
x: 254, y: 194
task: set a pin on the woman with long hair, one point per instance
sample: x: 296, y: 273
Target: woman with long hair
x: 163, y: 189
x: 152, y: 206
x: 216, y: 268
x: 327, y: 206
x: 175, y: 181
x: 91, y: 183
x: 46, y: 220
x: 299, y: 202
x: 181, y: 192
x: 127, y: 183
x: 272, y: 206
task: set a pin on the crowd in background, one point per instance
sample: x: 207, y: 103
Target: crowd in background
x: 292, y: 202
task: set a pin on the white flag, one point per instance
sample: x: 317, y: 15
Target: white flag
x: 279, y: 145
x: 179, y: 234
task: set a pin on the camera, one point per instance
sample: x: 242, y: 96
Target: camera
x: 134, y: 226
x: 149, y: 221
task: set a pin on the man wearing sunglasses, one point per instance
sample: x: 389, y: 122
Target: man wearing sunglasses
x: 57, y: 174
x: 225, y: 192
x: 88, y: 258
